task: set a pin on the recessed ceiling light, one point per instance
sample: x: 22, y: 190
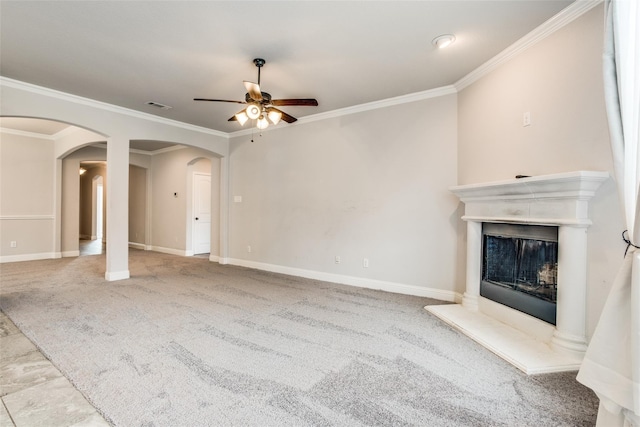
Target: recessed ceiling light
x: 443, y: 41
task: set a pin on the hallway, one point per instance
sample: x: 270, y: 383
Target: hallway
x: 91, y: 247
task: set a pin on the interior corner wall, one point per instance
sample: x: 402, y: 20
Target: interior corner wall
x: 368, y: 185
x: 559, y: 82
x: 27, y: 209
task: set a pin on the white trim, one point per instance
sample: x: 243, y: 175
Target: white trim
x: 27, y: 134
x: 104, y: 106
x: 26, y: 217
x: 27, y: 257
x: 384, y: 103
x: 528, y: 220
x: 136, y: 245
x: 159, y: 151
x: 111, y: 276
x: 562, y: 18
x: 170, y: 251
x: 361, y: 282
x: 214, y: 258
x: 69, y: 254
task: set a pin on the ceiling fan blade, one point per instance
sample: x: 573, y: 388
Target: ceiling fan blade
x: 218, y: 100
x: 286, y: 117
x: 303, y: 101
x: 254, y: 90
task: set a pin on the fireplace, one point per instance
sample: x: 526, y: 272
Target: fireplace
x: 520, y: 268
x: 529, y: 308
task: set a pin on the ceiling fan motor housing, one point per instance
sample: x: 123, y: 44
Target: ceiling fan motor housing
x: 266, y: 98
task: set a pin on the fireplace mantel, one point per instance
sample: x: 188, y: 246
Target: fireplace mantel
x: 560, y: 200
x: 548, y: 199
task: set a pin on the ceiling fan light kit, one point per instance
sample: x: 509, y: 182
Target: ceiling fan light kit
x: 242, y: 118
x: 260, y: 106
x: 275, y: 116
x: 253, y: 111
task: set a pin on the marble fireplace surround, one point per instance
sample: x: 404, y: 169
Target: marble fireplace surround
x: 530, y: 344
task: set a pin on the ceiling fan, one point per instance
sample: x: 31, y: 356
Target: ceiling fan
x: 260, y: 105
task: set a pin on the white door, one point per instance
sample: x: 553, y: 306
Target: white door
x: 201, y: 213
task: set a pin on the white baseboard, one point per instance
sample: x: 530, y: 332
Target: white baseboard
x: 27, y: 257
x: 140, y: 246
x: 116, y: 275
x: 361, y: 282
x: 170, y: 251
x: 66, y: 254
x: 214, y: 258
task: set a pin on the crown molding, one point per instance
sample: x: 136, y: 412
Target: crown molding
x: 158, y: 151
x: 384, y: 103
x: 562, y: 18
x: 389, y: 102
x: 28, y: 87
x: 27, y: 134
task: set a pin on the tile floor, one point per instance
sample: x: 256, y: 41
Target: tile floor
x: 33, y: 392
x: 91, y: 247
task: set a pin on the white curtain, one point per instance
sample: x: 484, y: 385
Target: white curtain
x: 611, y: 366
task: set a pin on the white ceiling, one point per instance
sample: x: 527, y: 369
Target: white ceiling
x: 343, y: 53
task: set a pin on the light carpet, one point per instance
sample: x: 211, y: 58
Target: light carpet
x: 187, y: 342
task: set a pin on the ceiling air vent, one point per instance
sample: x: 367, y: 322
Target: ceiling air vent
x: 158, y: 105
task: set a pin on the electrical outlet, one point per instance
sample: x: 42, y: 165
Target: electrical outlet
x: 526, y: 119
x: 14, y: 244
x: 249, y: 248
x: 337, y: 259
x: 365, y: 263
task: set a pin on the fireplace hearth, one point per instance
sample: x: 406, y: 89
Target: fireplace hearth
x: 535, y: 231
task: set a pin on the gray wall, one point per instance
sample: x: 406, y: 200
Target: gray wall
x: 366, y: 185
x: 137, y: 204
x: 26, y: 168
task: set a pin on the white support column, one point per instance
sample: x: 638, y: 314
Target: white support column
x: 117, y: 209
x: 474, y: 267
x: 57, y: 226
x: 570, y: 334
x: 224, y: 210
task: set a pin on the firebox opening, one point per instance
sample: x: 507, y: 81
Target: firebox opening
x: 520, y: 268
